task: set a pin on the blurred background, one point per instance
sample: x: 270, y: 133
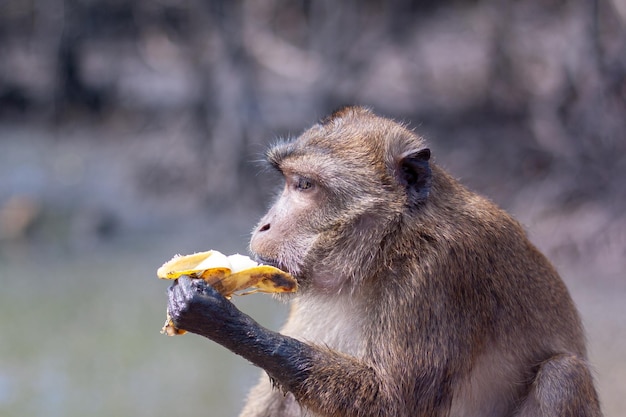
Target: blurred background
x: 133, y: 130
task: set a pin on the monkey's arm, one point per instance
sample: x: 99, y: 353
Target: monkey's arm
x: 309, y: 372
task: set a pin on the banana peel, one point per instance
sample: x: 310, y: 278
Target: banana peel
x: 229, y: 275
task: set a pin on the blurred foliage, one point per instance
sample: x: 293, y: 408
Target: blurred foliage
x: 117, y: 115
x: 240, y: 72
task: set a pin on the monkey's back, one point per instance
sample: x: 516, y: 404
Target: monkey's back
x: 477, y: 272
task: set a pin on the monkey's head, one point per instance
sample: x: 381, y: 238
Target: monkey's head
x: 352, y: 183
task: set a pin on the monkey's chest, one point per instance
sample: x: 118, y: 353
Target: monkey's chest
x: 333, y: 322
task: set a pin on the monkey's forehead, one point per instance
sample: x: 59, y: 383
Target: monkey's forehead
x: 313, y: 160
x: 321, y: 146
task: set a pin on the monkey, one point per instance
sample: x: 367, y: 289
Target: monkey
x: 417, y: 297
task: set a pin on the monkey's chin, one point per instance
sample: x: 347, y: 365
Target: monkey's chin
x: 268, y: 261
x: 296, y: 273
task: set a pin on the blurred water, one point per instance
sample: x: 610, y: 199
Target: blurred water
x: 80, y: 335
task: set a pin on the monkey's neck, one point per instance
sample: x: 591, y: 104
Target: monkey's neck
x: 335, y: 321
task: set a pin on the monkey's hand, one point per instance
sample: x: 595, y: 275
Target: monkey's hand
x: 197, y: 307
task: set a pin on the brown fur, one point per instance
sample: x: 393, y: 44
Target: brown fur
x: 434, y: 305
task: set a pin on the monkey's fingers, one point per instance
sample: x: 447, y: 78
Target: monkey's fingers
x: 169, y: 328
x: 177, y: 294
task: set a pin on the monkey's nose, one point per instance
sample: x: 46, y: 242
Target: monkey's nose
x: 264, y: 228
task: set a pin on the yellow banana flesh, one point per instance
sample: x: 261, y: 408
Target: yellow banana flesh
x: 210, y: 262
x: 227, y: 274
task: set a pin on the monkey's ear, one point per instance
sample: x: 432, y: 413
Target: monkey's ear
x: 415, y: 174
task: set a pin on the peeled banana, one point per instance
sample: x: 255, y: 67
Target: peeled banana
x: 227, y: 274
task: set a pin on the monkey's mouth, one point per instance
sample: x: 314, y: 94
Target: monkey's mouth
x: 294, y: 269
x: 301, y: 276
x: 272, y: 262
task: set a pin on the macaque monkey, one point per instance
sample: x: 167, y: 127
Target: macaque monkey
x: 416, y: 296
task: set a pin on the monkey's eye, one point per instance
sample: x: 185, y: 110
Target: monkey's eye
x: 303, y: 184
